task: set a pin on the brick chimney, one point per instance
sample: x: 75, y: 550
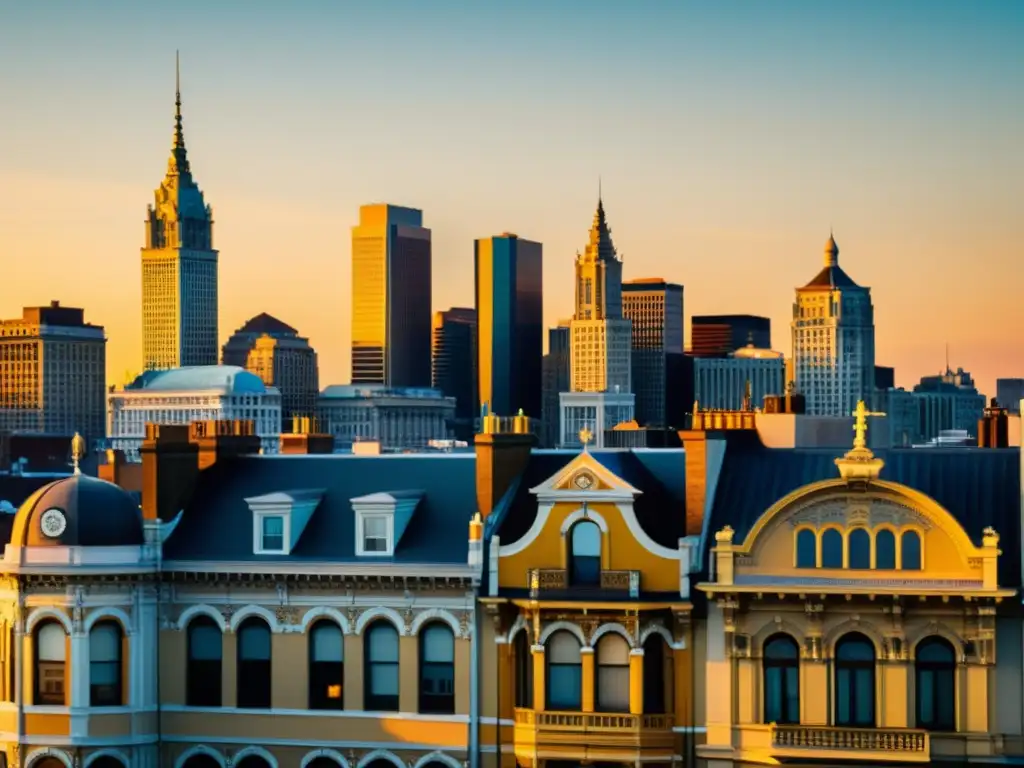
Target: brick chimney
x: 119, y: 471
x: 502, y: 453
x: 169, y: 470
x: 994, y: 427
x: 221, y: 439
x: 306, y: 438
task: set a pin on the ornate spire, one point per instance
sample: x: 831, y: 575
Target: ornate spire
x: 831, y: 250
x: 860, y: 463
x: 601, y: 246
x: 178, y: 164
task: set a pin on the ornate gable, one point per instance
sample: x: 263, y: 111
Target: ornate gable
x: 584, y: 478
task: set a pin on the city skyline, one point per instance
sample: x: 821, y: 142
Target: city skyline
x: 738, y: 179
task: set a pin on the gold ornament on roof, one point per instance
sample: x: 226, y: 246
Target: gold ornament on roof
x: 860, y: 424
x: 77, y: 451
x: 586, y: 436
x: 860, y: 463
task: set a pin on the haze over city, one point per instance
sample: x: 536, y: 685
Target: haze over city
x: 729, y: 139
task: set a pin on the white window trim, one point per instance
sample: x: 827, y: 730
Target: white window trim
x: 389, y: 544
x: 257, y: 532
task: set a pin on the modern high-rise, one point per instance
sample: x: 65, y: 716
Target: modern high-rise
x: 655, y: 308
x: 283, y: 359
x: 454, y: 360
x: 719, y: 335
x: 946, y: 402
x: 1009, y: 393
x: 600, y: 395
x: 509, y: 307
x: 53, y: 373
x: 179, y: 268
x: 391, y: 294
x: 740, y: 381
x: 555, y: 372
x: 833, y: 340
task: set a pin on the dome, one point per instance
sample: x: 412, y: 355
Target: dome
x: 78, y: 511
x: 227, y: 379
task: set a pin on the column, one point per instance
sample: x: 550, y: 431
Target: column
x: 539, y: 696
x: 79, y: 696
x: 587, y: 665
x: 636, y: 681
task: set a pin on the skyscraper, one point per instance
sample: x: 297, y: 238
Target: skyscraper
x: 655, y: 308
x: 179, y: 268
x: 509, y: 307
x: 833, y: 340
x: 391, y: 296
x: 555, y: 373
x: 719, y: 335
x: 454, y: 360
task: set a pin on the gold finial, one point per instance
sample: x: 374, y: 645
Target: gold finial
x: 77, y: 451
x: 860, y: 424
x: 586, y: 436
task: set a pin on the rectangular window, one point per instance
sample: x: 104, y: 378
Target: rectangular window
x: 272, y: 539
x: 375, y: 534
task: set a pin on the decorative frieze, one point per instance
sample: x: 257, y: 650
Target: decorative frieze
x: 853, y: 510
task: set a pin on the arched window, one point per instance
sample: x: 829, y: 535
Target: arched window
x: 203, y: 677
x: 381, y: 684
x: 859, y: 542
x: 105, y: 689
x: 781, y: 663
x: 323, y: 762
x: 48, y: 762
x: 806, y: 548
x: 657, y: 675
x: 326, y: 666
x: 885, y: 550
x: 51, y: 650
x: 524, y: 670
x: 831, y: 549
x: 437, y: 669
x: 253, y: 761
x: 855, y: 681
x: 612, y: 684
x: 910, y: 551
x: 935, y: 669
x: 565, y: 672
x: 585, y: 555
x: 253, y: 673
x: 105, y: 761
x: 201, y: 761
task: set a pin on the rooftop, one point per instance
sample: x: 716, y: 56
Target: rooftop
x: 227, y: 379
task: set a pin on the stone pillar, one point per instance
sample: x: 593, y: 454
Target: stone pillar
x: 408, y: 674
x: 636, y: 681
x: 229, y: 666
x: 587, y: 667
x: 539, y: 681
x: 79, y: 694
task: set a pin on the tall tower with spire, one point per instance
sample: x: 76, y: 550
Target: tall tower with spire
x: 833, y: 340
x: 600, y: 341
x: 179, y: 266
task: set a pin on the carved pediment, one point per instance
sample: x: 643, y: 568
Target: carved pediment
x: 585, y: 474
x: 856, y: 510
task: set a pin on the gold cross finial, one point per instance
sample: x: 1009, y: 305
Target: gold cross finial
x: 860, y: 424
x: 586, y: 436
x: 77, y: 451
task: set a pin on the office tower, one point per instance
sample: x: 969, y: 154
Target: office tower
x: 946, y: 402
x: 555, y: 371
x: 885, y: 377
x: 509, y: 308
x: 454, y: 361
x: 1009, y: 393
x: 740, y: 381
x: 655, y: 308
x: 718, y: 335
x: 53, y: 373
x: 179, y: 268
x: 601, y: 339
x: 383, y: 419
x: 283, y: 359
x: 833, y: 340
x: 391, y: 293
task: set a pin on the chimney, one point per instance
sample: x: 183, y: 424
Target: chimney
x: 994, y: 427
x: 222, y: 439
x: 119, y: 471
x: 306, y: 438
x: 169, y: 470
x: 502, y: 453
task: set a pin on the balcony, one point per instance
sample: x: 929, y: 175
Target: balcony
x: 594, y: 730
x: 545, y: 581
x: 897, y: 745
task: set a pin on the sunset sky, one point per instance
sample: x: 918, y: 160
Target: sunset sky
x: 730, y: 136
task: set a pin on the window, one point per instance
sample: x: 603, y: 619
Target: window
x: 51, y: 647
x: 612, y: 685
x: 885, y: 550
x: 657, y: 663
x: 831, y: 549
x: 203, y: 677
x: 253, y: 675
x: 859, y: 541
x: 326, y: 666
x: 375, y: 535
x: 381, y: 668
x: 585, y: 554
x: 105, y: 665
x: 523, y: 670
x: 781, y: 663
x: 437, y: 669
x: 910, y: 551
x: 855, y: 681
x: 935, y: 670
x: 272, y: 533
x: 565, y: 672
x: 806, y: 549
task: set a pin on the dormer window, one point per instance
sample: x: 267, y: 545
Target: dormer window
x: 381, y: 519
x: 280, y: 518
x: 272, y: 533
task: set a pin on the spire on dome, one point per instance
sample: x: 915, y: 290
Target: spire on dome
x: 831, y: 251
x: 178, y: 164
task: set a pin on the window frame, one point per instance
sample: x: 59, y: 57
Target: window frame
x: 600, y: 703
x: 573, y: 558
x: 549, y: 668
x: 254, y: 678
x: 389, y: 534
x: 203, y: 677
x: 116, y: 692
x: 436, y: 703
x: 376, y: 702
x: 257, y: 533
x: 325, y: 674
x: 853, y: 667
x: 39, y: 696
x: 937, y: 723
x: 784, y: 665
x: 523, y: 670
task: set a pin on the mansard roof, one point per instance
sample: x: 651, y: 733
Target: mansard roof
x: 217, y: 524
x: 659, y: 475
x: 979, y: 487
